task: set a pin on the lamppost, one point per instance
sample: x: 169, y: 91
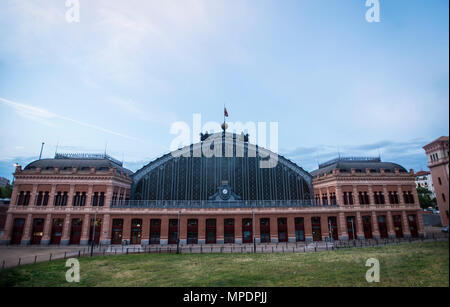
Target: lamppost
x: 353, y: 229
x: 93, y: 232
x: 178, y: 232
x: 253, y: 231
x: 330, y: 231
x: 42, y: 147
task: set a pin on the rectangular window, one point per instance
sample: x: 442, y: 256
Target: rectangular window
x: 39, y: 199
x: 45, y: 201
x: 396, y: 198
x: 440, y: 181
x: 83, y: 199
x: 57, y: 199
x: 361, y: 198
x: 299, y: 229
x: 64, y: 199
x: 366, y: 198
x: 76, y: 199
x: 26, y: 199
x: 101, y: 200
x: 95, y: 199
x: 20, y: 199
x: 376, y: 197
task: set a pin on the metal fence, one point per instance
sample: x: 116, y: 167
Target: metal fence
x: 260, y: 248
x: 179, y: 204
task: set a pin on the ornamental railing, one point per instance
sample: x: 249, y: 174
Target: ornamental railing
x: 199, y: 204
x: 354, y: 159
x: 87, y: 156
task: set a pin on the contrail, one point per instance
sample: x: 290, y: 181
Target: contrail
x: 42, y: 113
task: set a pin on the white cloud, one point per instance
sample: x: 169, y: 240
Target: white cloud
x: 43, y: 116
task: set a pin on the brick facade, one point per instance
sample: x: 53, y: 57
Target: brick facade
x: 438, y: 161
x: 373, y: 211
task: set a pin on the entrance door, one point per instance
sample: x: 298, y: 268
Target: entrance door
x: 299, y: 229
x: 155, y: 231
x: 192, y: 231
x: 136, y: 231
x: 316, y: 229
x: 57, y: 229
x: 398, y: 226
x: 265, y: 230
x: 332, y: 222
x: 367, y: 225
x: 282, y: 230
x: 351, y: 228
x: 173, y: 231
x: 98, y: 227
x: 247, y: 232
x: 75, y: 232
x: 38, y: 231
x: 412, y: 220
x: 116, y: 233
x: 17, y: 231
x: 382, y: 226
x: 228, y: 231
x: 210, y: 231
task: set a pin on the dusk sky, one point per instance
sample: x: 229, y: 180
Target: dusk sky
x: 121, y: 76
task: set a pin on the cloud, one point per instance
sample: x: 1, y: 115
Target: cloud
x: 44, y: 116
x: 151, y: 113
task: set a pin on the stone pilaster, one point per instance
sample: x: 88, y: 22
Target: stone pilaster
x: 105, y: 232
x: 356, y: 196
x: 371, y: 196
x: 375, y: 230
x: 359, y: 226
x: 164, y: 239
x: 33, y: 195
x: 273, y: 229
x: 339, y: 196
x: 47, y: 229
x: 51, y: 197
x: 291, y: 229
x: 201, y: 230
x: 26, y: 238
x: 401, y: 200
x: 220, y: 230
x: 308, y: 228
x: 89, y: 196
x: 71, y: 195
x: 65, y: 239
x: 85, y: 230
x: 406, y: 230
x: 390, y: 225
x: 342, y: 226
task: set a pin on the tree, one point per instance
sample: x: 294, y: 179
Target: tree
x: 5, y: 192
x: 425, y: 199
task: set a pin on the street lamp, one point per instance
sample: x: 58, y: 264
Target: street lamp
x: 93, y: 232
x: 253, y: 231
x: 330, y: 231
x: 353, y: 229
x: 178, y: 232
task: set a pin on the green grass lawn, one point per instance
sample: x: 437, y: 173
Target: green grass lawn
x: 415, y: 264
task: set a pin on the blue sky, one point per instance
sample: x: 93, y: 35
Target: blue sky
x: 121, y: 76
